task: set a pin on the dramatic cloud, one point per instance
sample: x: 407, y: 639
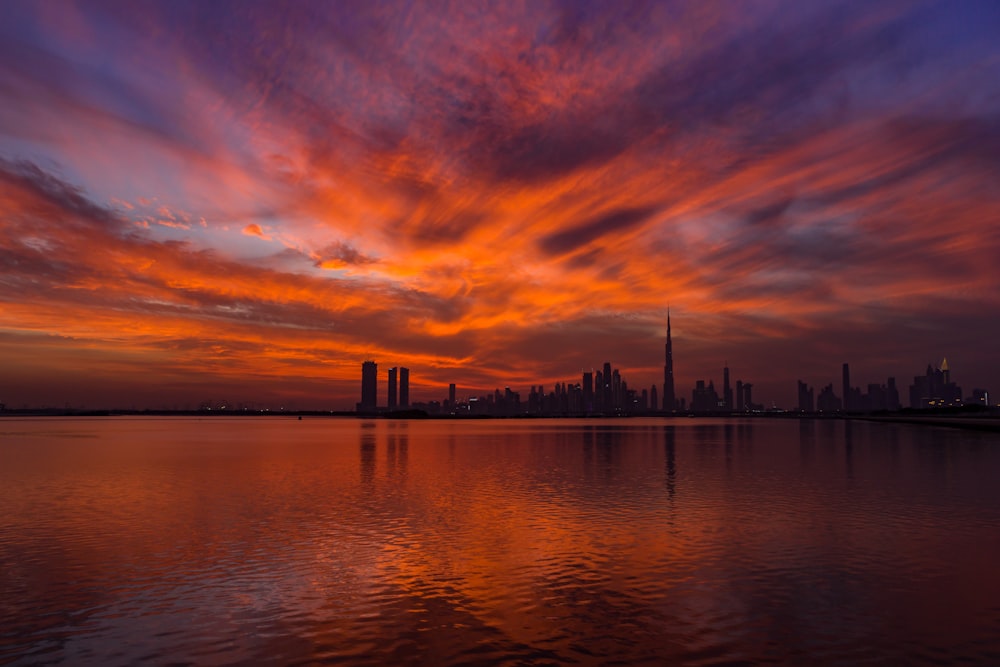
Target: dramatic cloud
x: 234, y: 198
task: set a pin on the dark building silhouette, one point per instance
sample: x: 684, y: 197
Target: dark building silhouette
x: 740, y: 403
x: 704, y: 399
x: 934, y: 389
x: 369, y: 387
x: 451, y: 395
x: 727, y: 391
x: 669, y: 399
x: 828, y: 401
x: 598, y: 391
x: 892, y: 396
x: 588, y: 392
x: 748, y: 397
x: 654, y: 400
x: 846, y: 375
x: 391, y: 403
x: 806, y: 401
x: 607, y: 395
x: 404, y: 387
x: 618, y: 391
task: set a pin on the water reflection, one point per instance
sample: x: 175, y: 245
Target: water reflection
x: 517, y: 542
x: 367, y: 437
x: 670, y: 455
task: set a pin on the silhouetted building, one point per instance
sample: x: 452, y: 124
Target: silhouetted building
x: 704, y: 399
x: 876, y: 399
x: 892, y: 395
x: 727, y: 391
x: 934, y: 389
x: 669, y: 399
x: 848, y: 403
x: 369, y: 387
x: 748, y: 397
x: 828, y: 401
x: 451, y: 395
x: 607, y: 396
x: 391, y: 403
x: 806, y: 401
x: 617, y: 391
x: 654, y: 401
x: 588, y: 392
x: 740, y: 403
x: 404, y: 387
x: 980, y: 397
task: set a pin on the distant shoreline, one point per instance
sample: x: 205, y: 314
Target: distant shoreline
x: 981, y: 419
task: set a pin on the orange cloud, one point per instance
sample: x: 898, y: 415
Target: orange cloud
x: 254, y: 229
x: 507, y: 197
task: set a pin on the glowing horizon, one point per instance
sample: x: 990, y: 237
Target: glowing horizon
x: 211, y: 200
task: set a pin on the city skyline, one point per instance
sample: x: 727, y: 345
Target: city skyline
x: 217, y: 200
x: 606, y: 392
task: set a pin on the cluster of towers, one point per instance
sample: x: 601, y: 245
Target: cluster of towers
x: 599, y: 392
x: 399, y: 388
x: 933, y: 389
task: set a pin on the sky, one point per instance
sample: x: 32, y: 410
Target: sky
x: 241, y: 202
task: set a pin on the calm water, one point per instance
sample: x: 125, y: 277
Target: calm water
x: 227, y: 540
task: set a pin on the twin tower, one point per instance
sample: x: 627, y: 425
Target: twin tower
x: 369, y: 388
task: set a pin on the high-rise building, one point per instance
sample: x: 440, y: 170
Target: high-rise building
x: 806, y: 398
x: 892, y: 397
x: 404, y: 387
x: 704, y: 399
x: 369, y: 387
x: 669, y: 399
x: 828, y: 401
x: 935, y: 389
x: 588, y: 392
x: 727, y: 391
x: 391, y: 403
x: 607, y: 398
x: 598, y: 391
x: 848, y: 403
x: 654, y: 399
x: 451, y: 394
x: 740, y: 396
x: 617, y: 390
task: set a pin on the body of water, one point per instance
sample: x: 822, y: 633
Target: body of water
x: 277, y: 541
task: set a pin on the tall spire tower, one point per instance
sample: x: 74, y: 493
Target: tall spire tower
x: 669, y: 400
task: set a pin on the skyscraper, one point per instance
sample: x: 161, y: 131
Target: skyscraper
x: 727, y: 391
x: 404, y: 387
x: 806, y: 402
x: 607, y: 398
x: 588, y: 392
x: 669, y: 399
x: 391, y: 403
x: 451, y: 395
x: 848, y: 404
x: 369, y: 387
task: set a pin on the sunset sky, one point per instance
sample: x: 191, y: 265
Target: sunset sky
x: 243, y: 201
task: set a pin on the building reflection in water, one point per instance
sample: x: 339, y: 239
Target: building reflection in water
x: 669, y: 447
x: 601, y: 451
x: 367, y: 438
x: 807, y: 442
x: 397, y: 448
x: 849, y: 449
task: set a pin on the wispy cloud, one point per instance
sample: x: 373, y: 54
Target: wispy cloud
x: 503, y: 194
